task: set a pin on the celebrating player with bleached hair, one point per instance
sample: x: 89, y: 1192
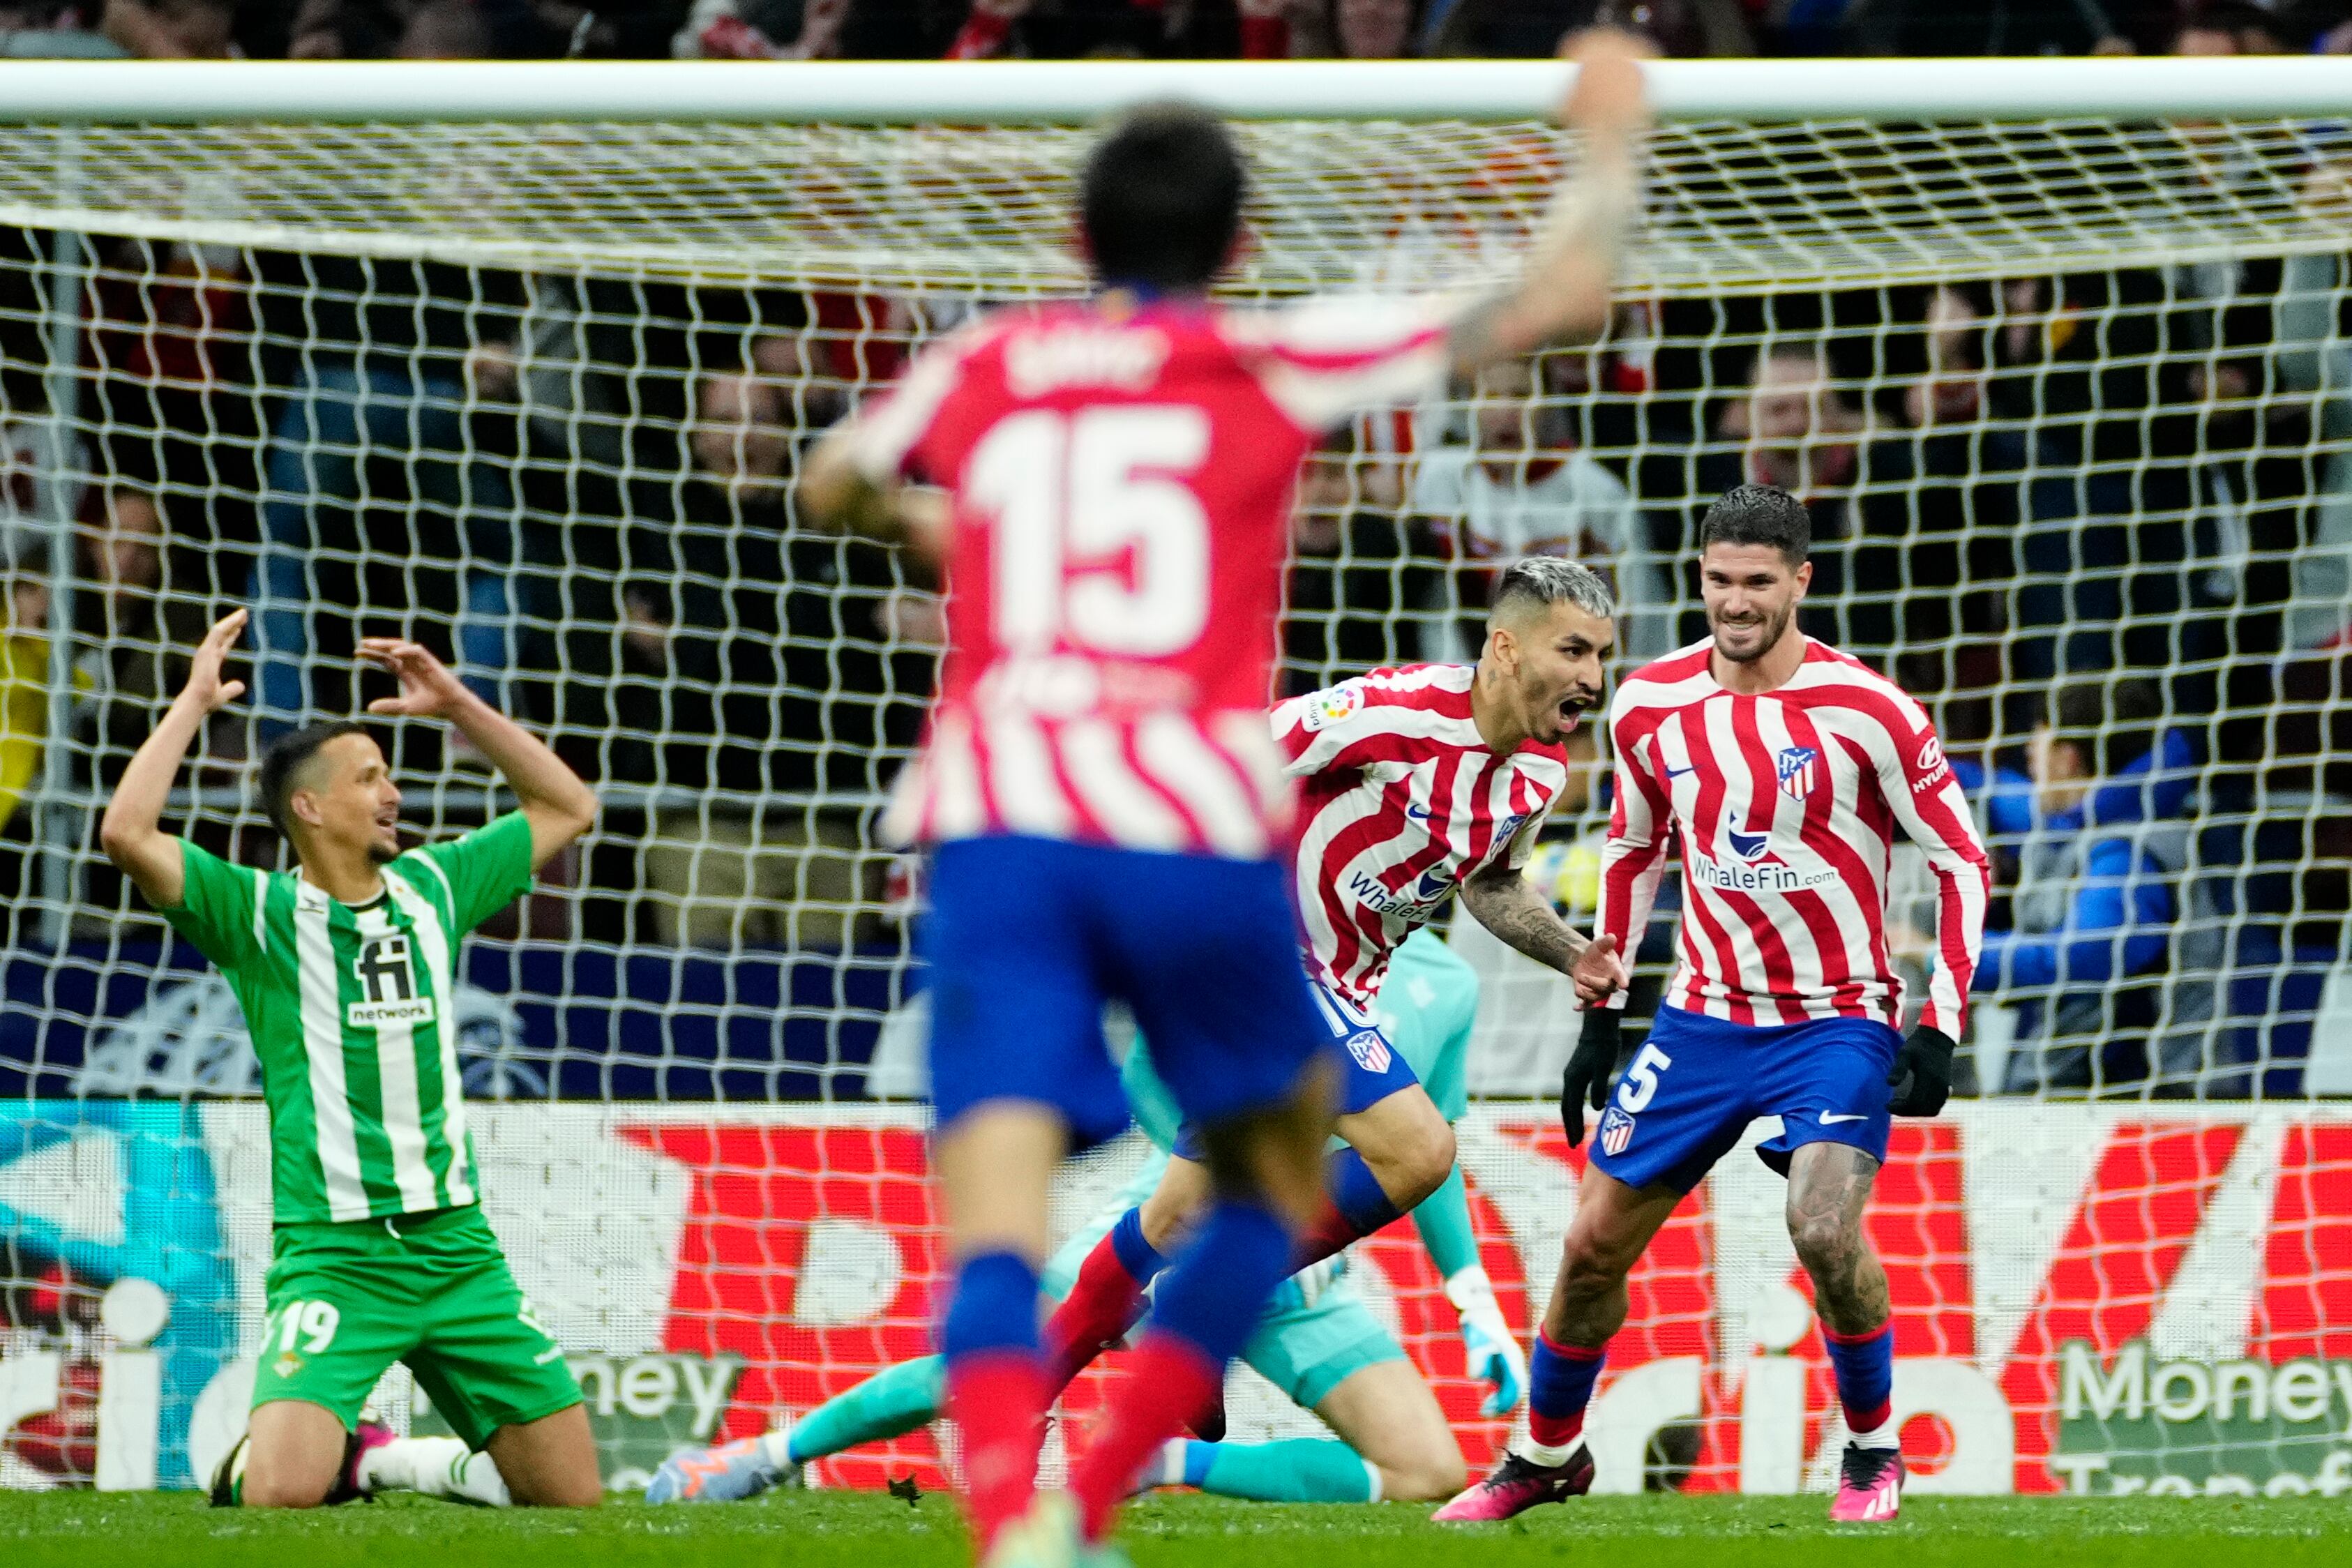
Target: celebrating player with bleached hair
x: 345, y: 968
x: 1416, y: 783
x: 1786, y: 768
x: 1106, y: 810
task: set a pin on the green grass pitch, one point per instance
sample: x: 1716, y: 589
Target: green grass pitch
x: 821, y: 1530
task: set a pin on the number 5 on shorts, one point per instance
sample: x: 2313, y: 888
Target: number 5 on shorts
x: 1641, y: 1080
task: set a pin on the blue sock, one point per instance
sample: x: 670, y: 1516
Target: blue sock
x: 1559, y: 1385
x: 1357, y: 1193
x: 1212, y: 1296
x: 1138, y: 1257
x: 995, y: 1308
x: 1197, y: 1458
x: 1864, y: 1365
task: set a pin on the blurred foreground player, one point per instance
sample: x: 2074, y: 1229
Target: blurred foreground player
x: 1786, y: 768
x: 1106, y: 806
x: 345, y: 970
x: 1319, y: 1344
x: 1417, y: 784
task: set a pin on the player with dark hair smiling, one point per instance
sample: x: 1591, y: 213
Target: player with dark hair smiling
x: 346, y: 971
x: 1786, y: 769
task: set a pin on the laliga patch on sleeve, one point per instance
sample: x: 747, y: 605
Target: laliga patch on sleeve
x: 1332, y: 707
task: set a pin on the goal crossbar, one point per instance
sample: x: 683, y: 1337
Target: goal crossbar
x: 1074, y: 91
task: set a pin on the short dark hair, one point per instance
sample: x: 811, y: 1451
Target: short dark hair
x: 1160, y: 199
x: 1759, y: 514
x: 284, y: 759
x: 2111, y: 722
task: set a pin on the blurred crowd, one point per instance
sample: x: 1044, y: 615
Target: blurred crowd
x: 1045, y: 29
x: 2100, y: 521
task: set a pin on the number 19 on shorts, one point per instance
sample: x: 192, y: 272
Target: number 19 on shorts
x: 308, y: 1327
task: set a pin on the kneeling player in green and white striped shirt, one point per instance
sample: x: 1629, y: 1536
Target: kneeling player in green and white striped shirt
x: 345, y: 968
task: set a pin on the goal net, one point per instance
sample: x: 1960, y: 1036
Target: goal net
x: 2068, y: 395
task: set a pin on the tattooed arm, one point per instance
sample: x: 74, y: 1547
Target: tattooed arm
x: 1508, y: 904
x: 1563, y: 293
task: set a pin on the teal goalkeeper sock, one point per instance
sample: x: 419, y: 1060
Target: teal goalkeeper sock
x: 1302, y: 1469
x: 893, y: 1401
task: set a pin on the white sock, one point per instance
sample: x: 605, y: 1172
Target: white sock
x: 434, y: 1467
x: 1166, y: 1467
x: 1545, y: 1454
x: 776, y: 1447
x: 1882, y: 1435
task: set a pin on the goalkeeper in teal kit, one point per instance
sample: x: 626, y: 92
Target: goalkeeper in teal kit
x: 1319, y: 1344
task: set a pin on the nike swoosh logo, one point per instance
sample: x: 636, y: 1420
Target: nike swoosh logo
x: 1830, y: 1119
x: 1676, y: 772
x: 1418, y: 813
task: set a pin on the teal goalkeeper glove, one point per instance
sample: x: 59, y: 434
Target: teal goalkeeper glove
x: 1488, y: 1346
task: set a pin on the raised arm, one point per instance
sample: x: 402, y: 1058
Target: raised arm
x: 131, y: 832
x: 557, y: 802
x: 1564, y: 292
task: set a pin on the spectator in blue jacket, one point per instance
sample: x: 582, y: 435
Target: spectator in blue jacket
x: 2100, y: 846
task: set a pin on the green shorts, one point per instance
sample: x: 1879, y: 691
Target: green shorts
x: 1307, y: 1350
x: 431, y: 1290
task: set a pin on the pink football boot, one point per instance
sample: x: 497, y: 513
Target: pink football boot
x: 1517, y: 1484
x: 1870, y: 1486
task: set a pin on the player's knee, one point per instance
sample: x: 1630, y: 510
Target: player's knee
x: 1432, y: 1476
x: 1423, y: 1159
x: 263, y: 1489
x: 571, y: 1491
x: 1591, y: 1265
x: 1826, y: 1243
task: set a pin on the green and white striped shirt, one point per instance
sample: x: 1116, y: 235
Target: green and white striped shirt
x: 350, y: 1007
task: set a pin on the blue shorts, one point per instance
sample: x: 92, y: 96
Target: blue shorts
x: 1027, y: 938
x: 1696, y: 1083
x: 1371, y: 1068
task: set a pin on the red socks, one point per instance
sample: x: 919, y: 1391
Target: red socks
x: 1103, y: 1304
x: 1170, y: 1383
x: 998, y: 1401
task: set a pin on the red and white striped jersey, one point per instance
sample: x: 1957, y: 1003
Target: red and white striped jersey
x: 1122, y: 488
x: 1786, y: 806
x: 1399, y: 800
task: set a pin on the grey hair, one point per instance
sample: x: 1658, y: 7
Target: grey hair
x: 1548, y: 579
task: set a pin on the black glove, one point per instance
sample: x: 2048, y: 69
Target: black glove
x: 1586, y: 1081
x: 1922, y: 1074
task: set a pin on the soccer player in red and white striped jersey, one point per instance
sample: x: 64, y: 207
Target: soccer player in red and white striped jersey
x: 1106, y: 809
x: 1786, y: 769
x: 1416, y: 783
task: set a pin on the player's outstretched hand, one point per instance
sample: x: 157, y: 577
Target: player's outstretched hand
x: 1599, y: 972
x: 427, y: 689
x: 1586, y: 1081
x: 206, y: 687
x: 1489, y: 1349
x: 1922, y: 1075
x: 1607, y: 95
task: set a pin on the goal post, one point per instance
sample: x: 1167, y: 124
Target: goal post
x: 519, y: 359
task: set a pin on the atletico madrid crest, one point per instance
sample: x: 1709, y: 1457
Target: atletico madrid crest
x: 1797, y: 765
x: 1616, y: 1131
